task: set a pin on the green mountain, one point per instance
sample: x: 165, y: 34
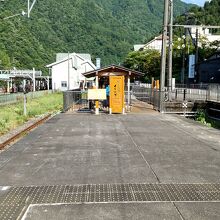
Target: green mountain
x: 105, y: 28
x: 207, y: 15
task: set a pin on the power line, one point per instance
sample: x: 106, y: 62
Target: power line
x: 196, y: 26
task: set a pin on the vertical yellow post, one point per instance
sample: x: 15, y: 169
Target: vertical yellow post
x: 129, y: 93
x: 158, y: 84
x: 97, y: 102
x: 96, y: 107
x: 152, y: 83
x: 116, y: 94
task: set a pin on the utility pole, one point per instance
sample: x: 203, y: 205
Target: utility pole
x: 30, y: 7
x: 68, y: 87
x: 170, y: 62
x: 184, y: 59
x: 163, y: 54
x: 197, y: 55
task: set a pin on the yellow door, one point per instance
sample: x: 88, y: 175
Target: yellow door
x: 117, y: 94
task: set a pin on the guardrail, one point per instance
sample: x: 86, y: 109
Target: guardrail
x: 213, y: 93
x: 75, y: 99
x: 18, y: 97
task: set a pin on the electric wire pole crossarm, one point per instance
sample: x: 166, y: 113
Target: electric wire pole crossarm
x: 30, y: 7
x: 23, y: 13
x: 196, y: 26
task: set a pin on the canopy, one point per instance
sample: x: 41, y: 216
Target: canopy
x: 113, y: 70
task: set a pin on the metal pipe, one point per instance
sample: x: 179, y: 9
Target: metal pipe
x: 68, y: 71
x: 163, y: 54
x: 129, y: 92
x: 170, y: 59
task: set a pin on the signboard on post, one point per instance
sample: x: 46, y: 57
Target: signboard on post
x: 96, y: 94
x: 117, y: 94
x: 191, y: 66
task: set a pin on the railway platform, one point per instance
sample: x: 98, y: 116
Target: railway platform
x: 133, y: 166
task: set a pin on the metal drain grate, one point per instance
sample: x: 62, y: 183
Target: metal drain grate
x: 16, y: 198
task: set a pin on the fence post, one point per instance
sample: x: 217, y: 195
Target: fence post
x: 184, y: 94
x: 25, y: 104
x: 218, y: 92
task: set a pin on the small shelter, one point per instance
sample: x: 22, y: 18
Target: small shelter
x: 118, y: 78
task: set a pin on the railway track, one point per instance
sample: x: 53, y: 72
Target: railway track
x: 23, y: 132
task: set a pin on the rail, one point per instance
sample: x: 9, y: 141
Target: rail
x: 24, y: 131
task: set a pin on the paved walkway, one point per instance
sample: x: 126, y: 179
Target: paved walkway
x: 134, y: 166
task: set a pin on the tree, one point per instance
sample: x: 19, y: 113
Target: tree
x: 4, y: 60
x: 147, y: 61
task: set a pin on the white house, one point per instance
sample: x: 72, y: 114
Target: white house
x: 205, y: 33
x: 137, y: 47
x: 154, y: 44
x: 67, y: 70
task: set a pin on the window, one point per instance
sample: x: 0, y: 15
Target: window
x: 63, y: 83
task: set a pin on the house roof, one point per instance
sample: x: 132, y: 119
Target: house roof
x: 61, y: 56
x: 158, y: 38
x: 106, y: 71
x: 138, y: 46
x: 72, y: 56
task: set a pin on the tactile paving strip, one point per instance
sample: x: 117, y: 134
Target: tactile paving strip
x: 16, y: 199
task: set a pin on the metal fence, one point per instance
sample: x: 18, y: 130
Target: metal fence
x: 178, y: 94
x: 18, y: 97
x: 192, y: 86
x: 76, y: 100
x: 177, y: 97
x: 213, y: 93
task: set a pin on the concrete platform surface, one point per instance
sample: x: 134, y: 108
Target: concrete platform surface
x: 140, y: 211
x: 72, y: 149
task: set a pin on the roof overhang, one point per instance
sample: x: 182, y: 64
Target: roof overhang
x: 113, y: 70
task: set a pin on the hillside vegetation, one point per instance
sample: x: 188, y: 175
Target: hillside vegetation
x: 105, y: 28
x: 207, y: 15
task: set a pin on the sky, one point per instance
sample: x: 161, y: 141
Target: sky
x: 198, y: 2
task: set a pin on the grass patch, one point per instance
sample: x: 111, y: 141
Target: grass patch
x: 12, y: 116
x: 202, y: 117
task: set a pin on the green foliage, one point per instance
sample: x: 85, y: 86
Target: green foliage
x: 204, y: 119
x: 147, y: 61
x: 201, y: 116
x: 4, y: 60
x: 12, y: 115
x: 105, y: 28
x: 209, y: 15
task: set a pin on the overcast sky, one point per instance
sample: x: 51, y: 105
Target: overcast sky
x: 198, y: 2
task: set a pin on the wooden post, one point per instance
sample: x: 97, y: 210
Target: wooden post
x: 97, y: 102
x: 34, y: 82
x: 157, y: 84
x: 97, y: 80
x: 8, y: 87
x: 96, y: 107
x: 129, y: 92
x: 152, y: 83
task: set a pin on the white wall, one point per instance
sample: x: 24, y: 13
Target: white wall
x: 76, y: 67
x: 155, y: 45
